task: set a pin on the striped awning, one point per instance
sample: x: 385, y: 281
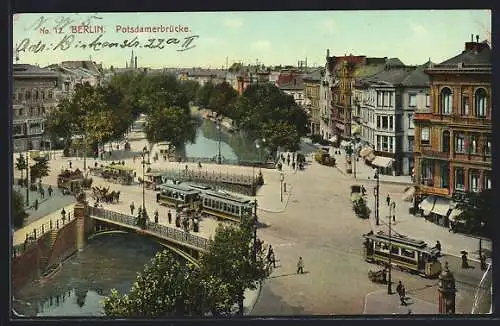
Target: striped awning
x: 365, y: 151
x: 427, y: 204
x: 409, y: 193
x: 441, y: 206
x: 370, y: 157
x: 382, y: 162
x: 454, y: 214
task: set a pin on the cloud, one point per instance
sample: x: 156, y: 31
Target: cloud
x: 328, y: 26
x: 233, y: 23
x: 261, y: 45
x: 418, y: 30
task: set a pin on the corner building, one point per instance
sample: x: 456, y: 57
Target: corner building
x: 453, y: 136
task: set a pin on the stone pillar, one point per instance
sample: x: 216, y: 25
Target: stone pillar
x: 446, y: 291
x: 79, y: 214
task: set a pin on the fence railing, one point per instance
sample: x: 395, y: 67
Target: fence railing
x: 161, y: 230
x: 40, y: 231
x: 211, y: 176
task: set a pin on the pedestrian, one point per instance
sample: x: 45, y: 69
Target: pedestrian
x: 270, y: 256
x: 36, y: 204
x: 288, y: 160
x: 70, y: 164
x: 300, y: 266
x: 394, y: 218
x: 134, y: 158
x: 465, y: 262
x: 132, y: 207
x: 199, y: 164
x: 186, y: 167
x: 293, y: 165
x: 50, y: 191
x: 169, y: 217
x: 63, y: 214
x: 42, y: 193
x: 156, y: 216
x: 438, y: 247
x: 400, y: 289
x: 482, y: 259
x: 363, y: 190
x: 388, y: 199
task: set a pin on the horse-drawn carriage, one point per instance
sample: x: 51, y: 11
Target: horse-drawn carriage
x: 102, y: 194
x: 73, y: 181
x: 152, y: 180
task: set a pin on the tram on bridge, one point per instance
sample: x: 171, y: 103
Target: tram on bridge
x: 408, y: 254
x: 178, y: 195
x: 225, y: 206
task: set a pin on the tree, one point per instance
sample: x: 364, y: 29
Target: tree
x: 204, y: 94
x: 477, y: 208
x: 171, y: 124
x: 40, y: 169
x: 222, y: 98
x: 235, y: 259
x: 21, y: 165
x: 282, y: 134
x: 18, y: 212
x: 190, y: 89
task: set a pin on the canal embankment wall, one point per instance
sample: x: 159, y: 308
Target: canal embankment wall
x: 49, y: 249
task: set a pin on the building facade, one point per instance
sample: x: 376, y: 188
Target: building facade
x: 291, y: 83
x: 325, y: 103
x: 35, y: 92
x: 312, y: 96
x: 453, y: 136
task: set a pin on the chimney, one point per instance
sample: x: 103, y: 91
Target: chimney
x: 477, y: 38
x: 472, y: 37
x: 327, y: 53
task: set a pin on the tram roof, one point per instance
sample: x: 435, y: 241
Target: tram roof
x: 197, y: 186
x: 398, y: 239
x: 178, y: 187
x: 226, y: 197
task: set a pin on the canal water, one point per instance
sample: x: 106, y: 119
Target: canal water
x: 107, y: 262
x: 234, y: 146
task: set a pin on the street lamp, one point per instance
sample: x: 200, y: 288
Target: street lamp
x: 144, y: 151
x: 256, y: 221
x: 353, y: 160
x: 28, y: 147
x: 376, y: 194
x: 481, y: 240
x: 392, y: 207
x: 219, y: 157
x: 282, y: 178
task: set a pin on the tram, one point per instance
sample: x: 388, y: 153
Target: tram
x: 406, y: 253
x: 225, y: 206
x: 178, y: 195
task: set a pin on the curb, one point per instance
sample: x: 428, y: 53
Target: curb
x: 259, y: 290
x: 369, y: 180
x: 281, y: 210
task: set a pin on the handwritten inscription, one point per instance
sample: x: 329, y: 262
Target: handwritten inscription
x: 69, y: 41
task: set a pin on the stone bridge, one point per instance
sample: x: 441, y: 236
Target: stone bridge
x: 186, y: 245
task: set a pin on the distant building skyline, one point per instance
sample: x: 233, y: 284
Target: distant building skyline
x: 212, y: 39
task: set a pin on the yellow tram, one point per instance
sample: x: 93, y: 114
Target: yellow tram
x: 178, y: 195
x: 406, y: 253
x: 225, y: 206
x: 118, y: 173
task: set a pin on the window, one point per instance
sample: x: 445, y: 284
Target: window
x: 391, y: 123
x: 20, y: 96
x: 411, y: 125
x: 446, y: 101
x: 51, y: 94
x: 427, y: 172
x: 446, y: 141
x: 17, y: 130
x: 407, y: 253
x: 427, y: 100
x: 425, y: 135
x: 411, y: 144
x: 378, y: 122
x: 459, y: 179
x: 465, y: 105
x: 385, y: 144
x: 445, y: 178
x: 390, y: 102
x: 487, y: 181
x: 480, y: 103
x: 412, y: 100
x: 460, y: 143
x: 384, y: 122
x: 27, y: 95
x: 43, y: 95
x: 473, y: 144
x: 21, y: 112
x: 35, y: 94
x: 487, y: 146
x: 474, y: 180
x: 379, y: 98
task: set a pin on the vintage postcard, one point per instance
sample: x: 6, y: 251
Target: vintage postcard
x: 252, y: 163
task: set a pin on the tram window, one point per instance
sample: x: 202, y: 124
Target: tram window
x: 225, y: 207
x: 395, y: 250
x: 377, y: 246
x: 205, y: 202
x: 217, y: 205
x: 237, y: 211
x: 408, y: 253
x: 232, y: 209
x: 182, y: 197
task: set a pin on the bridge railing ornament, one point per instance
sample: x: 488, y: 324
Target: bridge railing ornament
x: 162, y: 230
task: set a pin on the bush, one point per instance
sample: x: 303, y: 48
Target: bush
x: 316, y: 139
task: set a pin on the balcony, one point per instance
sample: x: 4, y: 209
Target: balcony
x: 470, y: 121
x: 423, y: 116
x: 434, y: 154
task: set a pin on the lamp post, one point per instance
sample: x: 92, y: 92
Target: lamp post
x: 376, y: 194
x: 353, y: 159
x: 219, y: 157
x: 392, y: 207
x: 255, y: 232
x: 28, y: 145
x: 144, y: 150
x: 282, y: 178
x: 481, y: 240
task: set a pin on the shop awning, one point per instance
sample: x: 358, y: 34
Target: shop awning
x: 427, y: 204
x: 365, y: 151
x: 382, y: 161
x: 333, y: 139
x: 441, y: 206
x: 370, y: 157
x: 454, y: 214
x: 408, y: 194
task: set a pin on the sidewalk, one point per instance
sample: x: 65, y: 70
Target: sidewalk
x: 20, y: 235
x: 381, y: 303
x: 364, y: 172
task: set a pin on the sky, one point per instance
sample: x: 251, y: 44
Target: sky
x: 206, y: 39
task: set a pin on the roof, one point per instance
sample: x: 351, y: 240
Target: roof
x: 394, y: 62
x: 290, y: 81
x: 87, y: 64
x: 389, y: 77
x: 26, y: 70
x: 418, y: 78
x: 312, y: 76
x: 480, y: 54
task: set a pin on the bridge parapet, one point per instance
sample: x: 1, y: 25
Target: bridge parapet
x: 160, y: 230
